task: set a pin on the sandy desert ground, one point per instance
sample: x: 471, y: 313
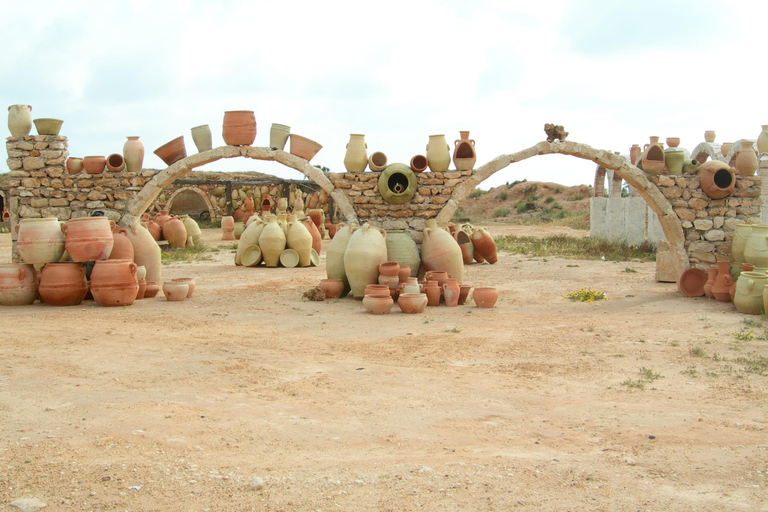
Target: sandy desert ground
x: 245, y: 397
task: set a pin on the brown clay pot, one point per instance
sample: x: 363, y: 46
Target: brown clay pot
x: 464, y: 155
x: 63, y: 284
x: 115, y: 162
x: 332, y: 287
x: 172, y: 151
x: 653, y: 157
x: 317, y: 238
x: 175, y: 232
x: 142, y: 289
x: 722, y: 284
x: 484, y: 244
x: 419, y: 163
x: 153, y: 288
x: 227, y: 227
x: 94, y: 164
x: 451, y: 291
x: 88, y: 238
x: 373, y: 289
x: 239, y: 127
x: 74, y: 165
x: 432, y: 289
x: 122, y: 248
x: 464, y: 293
x: 190, y: 283
x: 304, y: 147
x: 711, y: 275
x: 390, y: 268
x: 18, y: 284
x: 485, y: 297
x: 162, y: 217
x: 746, y: 160
x: 404, y: 274
x: 378, y: 304
x: 154, y: 229
x: 691, y: 282
x: 114, y: 283
x: 718, y: 179
x: 317, y: 217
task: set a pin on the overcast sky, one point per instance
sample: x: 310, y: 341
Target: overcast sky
x: 611, y: 72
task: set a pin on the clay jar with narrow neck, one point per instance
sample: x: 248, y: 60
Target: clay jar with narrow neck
x: 711, y: 275
x: 762, y: 140
x: 483, y: 243
x: 356, y: 158
x: 634, y: 152
x: 438, y: 153
x: 366, y: 250
x: 440, y: 251
x: 133, y: 153
x: 317, y: 238
x: 334, y: 255
x: 722, y: 283
x: 451, y: 290
x: 175, y: 232
x: 746, y: 160
x: 63, y: 284
x: 146, y: 252
x: 122, y: 248
x: 19, y: 120
x: 39, y: 240
x: 272, y: 242
x: 464, y: 155
x: 88, y: 238
x: 114, y: 282
x: 299, y: 239
x: 756, y: 248
x: 18, y: 284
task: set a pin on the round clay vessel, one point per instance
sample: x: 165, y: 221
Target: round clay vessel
x: 726, y: 148
x: 239, y: 127
x: 691, y: 282
x: 378, y: 304
x: 94, y: 164
x: 193, y: 230
x: 175, y: 291
x: 63, y: 284
x: 762, y: 140
x: 18, y: 284
x: 377, y: 161
x: 115, y: 162
x: 249, y: 238
x: 749, y: 295
x: 390, y: 281
x: 438, y: 153
x: 432, y: 289
x: 451, y: 291
x: 74, y: 165
x: 390, y: 268
x: 175, y: 232
x: 122, y: 248
x: 418, y: 163
x: 723, y: 281
x: 653, y: 157
x: 47, y: 126
x: 278, y: 135
x: 162, y: 217
x: 332, y: 287
x: 412, y: 302
x: 709, y: 136
x: 19, y: 120
x: 114, y: 283
x: 228, y: 227
x: 88, y: 238
x: 190, y: 284
x: 746, y: 160
x: 483, y: 243
x: 172, y: 151
x: 440, y: 251
x: 152, y: 289
x: 673, y: 142
x: 718, y: 179
x: 402, y: 249
x: 304, y: 147
x: 39, y: 240
x: 133, y: 153
x: 485, y: 297
x: 756, y: 248
x: 272, y: 242
x: 314, y: 232
x: 334, y: 254
x: 300, y: 240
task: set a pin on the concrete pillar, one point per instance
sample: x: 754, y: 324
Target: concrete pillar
x: 655, y: 233
x: 598, y: 218
x: 634, y: 220
x: 616, y: 213
x: 762, y: 171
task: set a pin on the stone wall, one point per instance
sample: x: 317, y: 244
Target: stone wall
x: 433, y: 191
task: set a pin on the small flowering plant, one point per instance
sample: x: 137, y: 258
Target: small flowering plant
x: 585, y: 295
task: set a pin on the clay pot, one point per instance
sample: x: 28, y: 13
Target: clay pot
x: 653, y: 157
x: 175, y: 232
x: 193, y: 230
x: 19, y: 120
x: 175, y: 291
x: 227, y: 227
x: 432, y: 290
x: 762, y: 140
x: 317, y: 238
x: 756, y: 248
x: 278, y: 135
x: 47, y: 126
x: 439, y: 251
x: 300, y: 240
x: 272, y: 242
x: 122, y: 248
x: 366, y: 250
x: 39, y: 240
x: 411, y: 285
x: 711, y: 275
x: 94, y: 164
x: 172, y: 151
x: 463, y: 237
x: 464, y: 155
x: 674, y: 159
x: 412, y: 302
x: 722, y: 283
x: 378, y: 304
x: 317, y: 217
x: 404, y: 274
x: 18, y: 284
x: 238, y: 214
x: 746, y: 159
x: 726, y: 148
x: 419, y: 163
x: 741, y: 234
x: 133, y: 153
x: 239, y: 127
x: 718, y: 179
x: 376, y: 289
x: 142, y: 289
x: 146, y: 253
x: 438, y: 153
x: 114, y: 283
x: 749, y: 296
x: 484, y: 245
x: 464, y: 293
x: 709, y: 136
x: 634, y: 153
x: 390, y: 281
x: 74, y: 165
x: 390, y: 268
x: 304, y: 147
x: 63, y: 284
x: 249, y: 238
x: 88, y: 238
x: 485, y: 297
x: 673, y: 142
x: 190, y: 283
x: 377, y: 161
x: 692, y: 281
x: 451, y: 290
x: 154, y: 229
x: 331, y: 228
x: 289, y: 258
x: 334, y: 255
x: 356, y: 158
x: 201, y: 136
x: 153, y: 288
x: 115, y: 162
x: 162, y: 217
x: 332, y: 287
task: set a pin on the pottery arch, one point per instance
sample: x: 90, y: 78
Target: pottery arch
x: 670, y: 222
x: 144, y: 198
x: 204, y: 196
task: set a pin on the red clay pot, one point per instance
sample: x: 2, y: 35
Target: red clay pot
x: 63, y: 284
x: 484, y: 245
x: 122, y: 248
x: 94, y: 164
x: 239, y: 127
x: 88, y: 238
x: 419, y: 163
x: 378, y: 304
x: 114, y: 283
x: 153, y: 288
x: 190, y: 282
x: 332, y: 287
x: 317, y: 238
x: 722, y: 284
x: 175, y: 232
x: 485, y: 297
x: 711, y: 275
x: 172, y: 151
x: 115, y: 162
x: 162, y: 217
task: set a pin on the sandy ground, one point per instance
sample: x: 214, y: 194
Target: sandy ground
x: 533, y: 405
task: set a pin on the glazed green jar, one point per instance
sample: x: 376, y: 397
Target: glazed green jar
x: 749, y: 296
x: 674, y: 158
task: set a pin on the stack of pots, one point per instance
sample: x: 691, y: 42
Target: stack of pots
x: 279, y: 241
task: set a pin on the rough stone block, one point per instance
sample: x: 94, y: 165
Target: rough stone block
x: 685, y: 214
x: 49, y: 154
x: 707, y: 257
x: 32, y: 163
x: 439, y: 199
x: 701, y: 247
x: 697, y: 204
x: 30, y: 183
x: 25, y: 146
x: 13, y: 164
x: 666, y: 181
x: 715, y: 235
x: 95, y: 204
x: 84, y: 184
x: 58, y: 202
x: 38, y: 202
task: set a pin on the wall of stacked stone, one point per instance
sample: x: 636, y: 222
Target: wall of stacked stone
x: 708, y: 223
x: 433, y: 191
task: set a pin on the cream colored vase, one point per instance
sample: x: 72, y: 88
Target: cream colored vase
x: 440, y: 251
x: 756, y: 248
x: 748, y: 298
x: 356, y: 158
x: 762, y: 140
x: 133, y: 153
x: 19, y: 120
x: 438, y: 153
x: 201, y: 135
x: 334, y: 255
x: 193, y: 230
x: 740, y: 237
x: 300, y: 240
x: 249, y: 238
x: 272, y: 242
x: 366, y: 250
x: 146, y: 252
x: 402, y: 249
x: 40, y: 240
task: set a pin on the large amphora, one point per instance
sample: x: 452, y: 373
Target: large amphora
x: 334, y: 255
x: 440, y: 251
x: 366, y: 250
x: 40, y: 240
x: 748, y: 297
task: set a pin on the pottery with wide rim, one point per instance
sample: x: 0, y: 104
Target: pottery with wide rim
x: 691, y: 282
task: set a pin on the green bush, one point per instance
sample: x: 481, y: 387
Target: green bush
x: 521, y: 207
x: 549, y: 199
x: 558, y: 190
x: 503, y: 196
x: 500, y: 212
x: 477, y: 193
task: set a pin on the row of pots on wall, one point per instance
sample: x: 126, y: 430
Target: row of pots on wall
x: 437, y: 158
x: 20, y: 122
x: 131, y: 160
x: 654, y: 159
x: 761, y: 142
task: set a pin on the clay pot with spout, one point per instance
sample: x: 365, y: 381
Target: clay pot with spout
x: 63, y: 284
x: 722, y: 284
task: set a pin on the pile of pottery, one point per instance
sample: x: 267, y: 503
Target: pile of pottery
x: 437, y: 158
x: 131, y: 160
x: 239, y: 129
x: 476, y: 244
x: 20, y: 122
x: 279, y: 240
x: 178, y: 231
x: 741, y: 280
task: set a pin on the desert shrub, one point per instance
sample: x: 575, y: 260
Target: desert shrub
x: 503, y: 196
x: 549, y: 199
x: 500, y: 212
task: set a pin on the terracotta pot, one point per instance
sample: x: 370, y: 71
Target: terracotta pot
x: 175, y: 291
x: 741, y: 234
x: 390, y: 268
x: 122, y: 248
x: 722, y: 283
x: 412, y: 302
x: 238, y: 214
x: 142, y: 289
x: 239, y: 127
x: 366, y: 250
x: 378, y: 304
x: 485, y: 297
x: 317, y: 238
x: 390, y: 281
x: 88, y: 238
x: 115, y: 162
x: 749, y: 296
x: 201, y: 136
x: 438, y: 153
x: 133, y: 153
x: 762, y: 140
x: 114, y: 283
x: 18, y: 284
x: 172, y: 151
x: 146, y: 253
x: 63, y: 284
x: 726, y: 148
x: 304, y: 147
x: 162, y: 217
x: 317, y: 217
x: 451, y: 290
x: 691, y: 282
x: 94, y: 164
x: 278, y: 135
x: 674, y: 159
x: 432, y: 290
x: 756, y: 248
x: 47, y: 126
x: 356, y: 158
x: 272, y: 242
x: 673, y: 142
x: 463, y: 237
x: 746, y: 159
x: 404, y: 274
x: 711, y: 275
x: 190, y: 284
x: 175, y: 232
x: 439, y: 251
x: 332, y: 287
x: 74, y: 165
x: 377, y: 161
x: 152, y: 290
x: 718, y: 179
x: 154, y: 229
x: 39, y: 240
x: 375, y: 289
x: 300, y: 240
x: 653, y: 157
x: 331, y: 228
x: 334, y: 255
x: 634, y: 154
x: 484, y: 244
x: 227, y: 227
x: 709, y: 136
x: 464, y: 155
x: 464, y: 293
x: 19, y: 120
x: 418, y: 163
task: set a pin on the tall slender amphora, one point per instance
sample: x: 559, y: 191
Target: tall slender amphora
x: 272, y: 242
x: 334, y: 255
x: 440, y: 251
x: 146, y: 252
x: 438, y: 153
x: 356, y: 158
x: 746, y: 160
x: 366, y: 250
x: 756, y: 248
x: 133, y: 153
